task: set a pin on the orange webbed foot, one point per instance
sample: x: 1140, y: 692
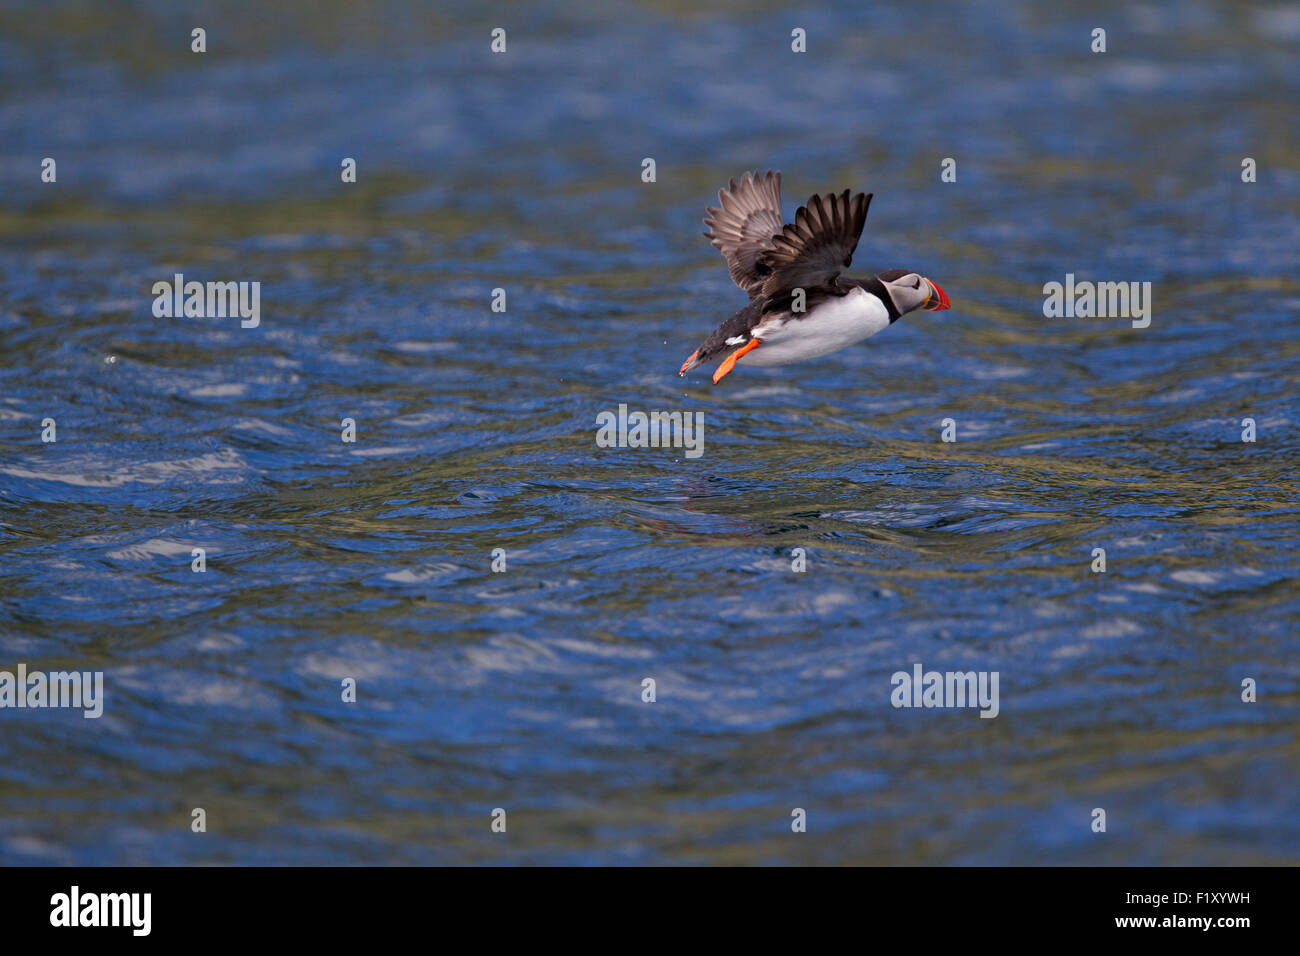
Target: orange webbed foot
x: 731, y: 360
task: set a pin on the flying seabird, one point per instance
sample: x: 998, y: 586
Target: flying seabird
x: 800, y: 307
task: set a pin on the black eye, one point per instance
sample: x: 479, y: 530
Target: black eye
x: 916, y: 284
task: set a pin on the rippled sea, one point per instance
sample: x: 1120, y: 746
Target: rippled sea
x: 521, y: 689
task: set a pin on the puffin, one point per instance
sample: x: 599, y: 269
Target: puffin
x: 800, y: 306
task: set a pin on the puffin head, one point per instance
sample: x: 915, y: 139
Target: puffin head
x: 911, y: 291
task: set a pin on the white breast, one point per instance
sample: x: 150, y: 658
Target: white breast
x: 832, y: 325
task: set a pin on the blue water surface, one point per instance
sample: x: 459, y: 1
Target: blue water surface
x: 476, y: 430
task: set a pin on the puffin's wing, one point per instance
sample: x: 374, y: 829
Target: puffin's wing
x: 743, y: 226
x: 817, y: 246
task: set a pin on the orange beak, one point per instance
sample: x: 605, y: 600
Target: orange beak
x: 938, y: 298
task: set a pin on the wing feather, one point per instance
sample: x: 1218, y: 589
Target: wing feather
x: 743, y: 224
x: 811, y: 251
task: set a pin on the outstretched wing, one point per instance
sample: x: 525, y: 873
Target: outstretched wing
x: 743, y: 225
x: 816, y: 247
